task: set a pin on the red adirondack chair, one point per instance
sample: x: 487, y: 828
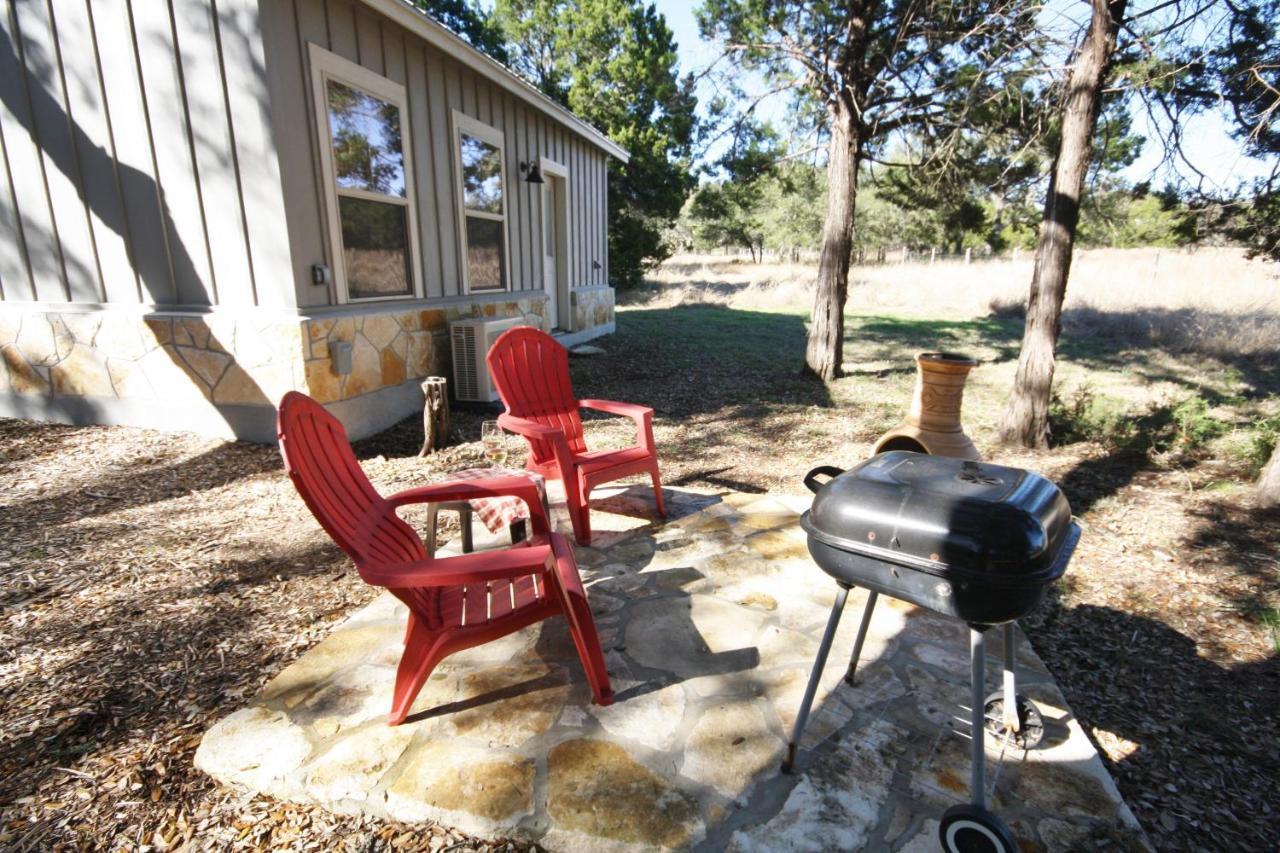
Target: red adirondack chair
x: 531, y: 372
x: 454, y: 602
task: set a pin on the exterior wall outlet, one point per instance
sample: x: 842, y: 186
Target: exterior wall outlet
x: 340, y: 357
x: 320, y: 274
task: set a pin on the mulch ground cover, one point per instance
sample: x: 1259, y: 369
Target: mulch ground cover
x: 151, y: 582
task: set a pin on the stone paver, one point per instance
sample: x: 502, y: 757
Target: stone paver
x: 710, y: 622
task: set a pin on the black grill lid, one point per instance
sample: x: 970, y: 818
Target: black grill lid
x: 941, y: 514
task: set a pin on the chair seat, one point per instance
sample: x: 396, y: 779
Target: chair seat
x: 530, y: 371
x: 454, y: 603
x: 600, y: 460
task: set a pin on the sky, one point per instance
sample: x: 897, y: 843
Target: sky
x: 1205, y: 139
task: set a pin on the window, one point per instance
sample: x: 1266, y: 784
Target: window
x: 364, y: 148
x: 482, y: 195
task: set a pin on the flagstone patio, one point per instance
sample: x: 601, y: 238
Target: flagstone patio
x: 710, y: 623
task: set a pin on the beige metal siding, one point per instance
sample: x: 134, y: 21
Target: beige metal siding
x: 97, y: 168
x: 143, y: 226
x: 240, y: 37
x: 436, y: 84
x: 441, y: 162
x: 166, y: 153
x: 138, y: 165
x: 25, y: 168
x: 60, y: 166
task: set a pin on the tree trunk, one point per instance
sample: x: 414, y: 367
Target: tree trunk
x: 1026, y: 420
x: 825, y: 349
x: 1269, y: 482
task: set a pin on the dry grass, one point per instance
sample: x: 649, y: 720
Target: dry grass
x: 376, y: 272
x: 1214, y: 281
x: 1209, y: 302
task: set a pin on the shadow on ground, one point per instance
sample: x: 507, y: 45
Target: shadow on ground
x: 127, y: 624
x: 699, y: 359
x: 143, y: 481
x: 887, y: 338
x: 1191, y: 741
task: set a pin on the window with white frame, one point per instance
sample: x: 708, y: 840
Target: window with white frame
x: 482, y: 170
x: 365, y: 150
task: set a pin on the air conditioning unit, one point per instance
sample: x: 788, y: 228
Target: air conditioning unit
x: 471, y: 341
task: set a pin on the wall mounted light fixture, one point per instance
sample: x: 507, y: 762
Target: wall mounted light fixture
x: 532, y: 173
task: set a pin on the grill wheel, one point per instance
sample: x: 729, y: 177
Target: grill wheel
x: 967, y: 828
x: 1030, y: 723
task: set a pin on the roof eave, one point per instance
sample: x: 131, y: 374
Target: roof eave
x: 440, y: 36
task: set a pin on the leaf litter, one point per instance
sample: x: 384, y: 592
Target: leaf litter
x: 151, y: 583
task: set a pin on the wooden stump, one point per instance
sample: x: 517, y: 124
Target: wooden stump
x: 435, y: 414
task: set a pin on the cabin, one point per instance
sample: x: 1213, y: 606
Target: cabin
x: 205, y: 205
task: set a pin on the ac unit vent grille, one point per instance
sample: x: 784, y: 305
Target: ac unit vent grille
x: 464, y: 362
x: 471, y: 340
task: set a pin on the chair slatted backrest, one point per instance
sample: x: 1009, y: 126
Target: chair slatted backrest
x: 531, y: 371
x: 324, y: 469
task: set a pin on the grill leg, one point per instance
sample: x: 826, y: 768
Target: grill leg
x: 833, y: 621
x: 1011, y: 721
x: 850, y: 676
x: 977, y: 676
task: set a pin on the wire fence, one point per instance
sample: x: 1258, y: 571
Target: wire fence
x: 879, y: 255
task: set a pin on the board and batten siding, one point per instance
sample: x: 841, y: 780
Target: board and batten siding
x: 137, y: 158
x: 436, y: 84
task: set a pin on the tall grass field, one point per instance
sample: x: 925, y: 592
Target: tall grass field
x: 1211, y: 300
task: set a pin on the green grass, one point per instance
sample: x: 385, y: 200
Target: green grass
x: 699, y: 358
x: 1271, y: 621
x: 742, y: 369
x: 985, y: 338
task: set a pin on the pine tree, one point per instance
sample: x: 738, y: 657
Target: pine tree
x: 468, y: 20
x: 867, y: 70
x: 1026, y: 419
x: 613, y: 62
x: 1180, y: 57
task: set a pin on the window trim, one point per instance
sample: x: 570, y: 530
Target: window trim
x: 463, y: 123
x: 326, y: 66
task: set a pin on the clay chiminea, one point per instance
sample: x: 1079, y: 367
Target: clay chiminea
x: 933, y: 422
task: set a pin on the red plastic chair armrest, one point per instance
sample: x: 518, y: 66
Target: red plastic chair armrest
x: 628, y: 410
x: 538, y: 432
x: 467, y: 568
x: 528, y: 428
x: 470, y: 490
x: 642, y: 415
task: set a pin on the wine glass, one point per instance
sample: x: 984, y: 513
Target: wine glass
x: 495, y: 443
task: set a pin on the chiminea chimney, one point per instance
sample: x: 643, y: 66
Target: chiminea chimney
x: 933, y: 423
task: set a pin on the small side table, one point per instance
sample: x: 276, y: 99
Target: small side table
x: 496, y: 513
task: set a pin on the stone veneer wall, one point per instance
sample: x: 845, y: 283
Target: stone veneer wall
x: 235, y: 359
x: 222, y: 373
x: 592, y: 307
x: 393, y: 347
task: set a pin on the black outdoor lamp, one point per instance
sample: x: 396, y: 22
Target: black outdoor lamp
x: 532, y: 173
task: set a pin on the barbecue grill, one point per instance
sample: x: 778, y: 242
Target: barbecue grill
x: 981, y: 543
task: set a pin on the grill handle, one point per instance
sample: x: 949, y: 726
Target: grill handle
x: 811, y: 479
